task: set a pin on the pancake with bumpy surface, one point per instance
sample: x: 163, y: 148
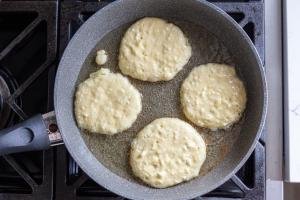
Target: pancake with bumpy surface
x: 166, y: 152
x: 212, y: 96
x: 153, y: 50
x: 106, y: 103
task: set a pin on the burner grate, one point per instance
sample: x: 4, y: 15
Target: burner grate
x: 27, y: 52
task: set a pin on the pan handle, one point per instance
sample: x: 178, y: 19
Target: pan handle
x: 28, y: 135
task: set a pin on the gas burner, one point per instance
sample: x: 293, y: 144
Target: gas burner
x: 7, y: 86
x: 4, y: 107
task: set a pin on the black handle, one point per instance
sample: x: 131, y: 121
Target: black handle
x: 28, y: 135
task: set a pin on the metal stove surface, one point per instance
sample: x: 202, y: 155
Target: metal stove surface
x: 33, y: 36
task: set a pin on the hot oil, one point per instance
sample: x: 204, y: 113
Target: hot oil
x: 160, y: 99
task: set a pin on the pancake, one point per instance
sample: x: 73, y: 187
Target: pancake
x: 166, y: 152
x: 212, y: 96
x: 106, y: 103
x: 153, y: 50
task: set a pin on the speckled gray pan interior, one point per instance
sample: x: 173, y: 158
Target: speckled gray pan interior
x: 214, y: 37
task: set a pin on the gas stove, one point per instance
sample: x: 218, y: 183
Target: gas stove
x: 33, y: 36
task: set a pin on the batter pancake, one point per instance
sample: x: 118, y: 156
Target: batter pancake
x: 153, y: 50
x: 101, y: 57
x: 106, y: 103
x: 166, y: 152
x: 212, y: 96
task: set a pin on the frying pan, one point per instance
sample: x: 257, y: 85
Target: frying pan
x: 214, y: 36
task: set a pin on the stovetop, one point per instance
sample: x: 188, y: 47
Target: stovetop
x: 33, y: 36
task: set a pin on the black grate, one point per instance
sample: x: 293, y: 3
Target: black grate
x: 31, y: 66
x: 28, y: 46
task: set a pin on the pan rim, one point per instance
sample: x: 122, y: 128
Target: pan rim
x: 109, y: 179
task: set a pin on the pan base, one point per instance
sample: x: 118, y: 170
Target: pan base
x: 160, y: 99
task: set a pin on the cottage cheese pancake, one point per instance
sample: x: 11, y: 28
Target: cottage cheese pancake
x: 166, y: 152
x: 106, y: 103
x: 212, y: 96
x: 153, y: 50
